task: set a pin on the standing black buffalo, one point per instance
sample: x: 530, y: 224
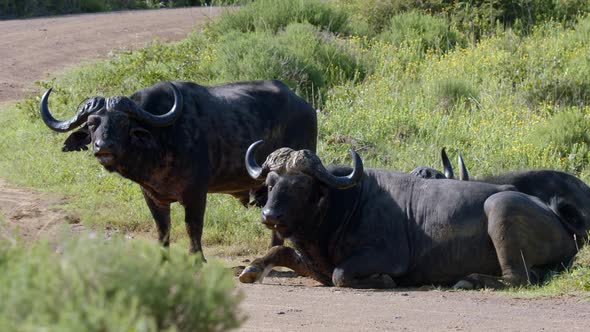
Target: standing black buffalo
x: 568, y: 195
x: 379, y: 229
x: 181, y: 140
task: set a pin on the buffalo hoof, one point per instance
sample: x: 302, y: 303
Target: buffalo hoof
x: 388, y: 281
x: 251, y: 274
x: 464, y: 284
x: 479, y: 281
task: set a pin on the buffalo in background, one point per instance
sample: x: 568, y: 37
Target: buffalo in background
x: 568, y: 196
x: 181, y: 140
x: 426, y: 172
x: 378, y: 228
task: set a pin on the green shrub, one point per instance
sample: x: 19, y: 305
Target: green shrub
x: 473, y: 18
x: 424, y: 31
x: 308, y: 60
x: 89, y: 6
x: 254, y: 56
x: 94, y: 284
x: 274, y: 15
x: 378, y: 13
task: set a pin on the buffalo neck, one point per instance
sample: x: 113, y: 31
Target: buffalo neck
x: 341, y: 210
x: 142, y: 165
x: 316, y: 243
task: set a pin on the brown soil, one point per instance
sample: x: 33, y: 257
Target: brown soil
x: 290, y: 304
x: 30, y: 49
x: 31, y: 215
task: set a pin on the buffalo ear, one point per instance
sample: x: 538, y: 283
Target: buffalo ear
x: 78, y: 140
x: 322, y: 197
x: 142, y: 137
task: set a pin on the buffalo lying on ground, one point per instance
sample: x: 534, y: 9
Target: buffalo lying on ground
x: 568, y: 195
x: 379, y: 228
x: 426, y: 172
x: 180, y: 140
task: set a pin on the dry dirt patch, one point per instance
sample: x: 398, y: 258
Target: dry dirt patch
x: 286, y: 304
x: 32, y: 215
x: 32, y: 48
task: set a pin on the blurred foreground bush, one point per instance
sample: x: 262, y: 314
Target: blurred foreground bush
x: 92, y: 284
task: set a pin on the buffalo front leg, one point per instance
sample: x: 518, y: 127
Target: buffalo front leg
x: 527, y: 236
x: 194, y: 213
x: 161, y: 214
x: 276, y: 256
x: 276, y: 239
x: 368, y: 269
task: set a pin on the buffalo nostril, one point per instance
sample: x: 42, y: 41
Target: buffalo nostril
x: 102, y: 146
x: 270, y: 215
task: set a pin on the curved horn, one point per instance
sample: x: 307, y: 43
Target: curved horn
x: 90, y: 106
x: 254, y: 170
x: 340, y: 182
x: 447, y: 167
x: 463, y: 175
x: 130, y: 107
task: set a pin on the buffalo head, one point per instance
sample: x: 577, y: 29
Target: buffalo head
x: 111, y: 126
x: 298, y: 184
x: 431, y: 173
x: 427, y: 173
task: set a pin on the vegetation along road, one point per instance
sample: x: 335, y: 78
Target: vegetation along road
x: 40, y: 48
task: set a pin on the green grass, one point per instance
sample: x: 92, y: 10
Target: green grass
x: 93, y: 284
x: 475, y: 19
x: 425, y: 31
x: 510, y: 99
x: 576, y: 280
x: 274, y: 15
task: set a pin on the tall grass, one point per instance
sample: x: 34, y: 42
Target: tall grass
x: 274, y: 15
x: 475, y: 19
x: 425, y: 31
x: 92, y: 284
x: 309, y: 70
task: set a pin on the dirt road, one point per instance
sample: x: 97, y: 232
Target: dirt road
x: 29, y: 49
x: 274, y: 307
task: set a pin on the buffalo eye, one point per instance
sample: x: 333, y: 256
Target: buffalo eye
x: 93, y: 123
x: 271, y: 181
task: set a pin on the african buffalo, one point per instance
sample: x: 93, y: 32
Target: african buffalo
x: 181, y: 140
x: 379, y: 228
x: 431, y: 173
x: 569, y: 195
